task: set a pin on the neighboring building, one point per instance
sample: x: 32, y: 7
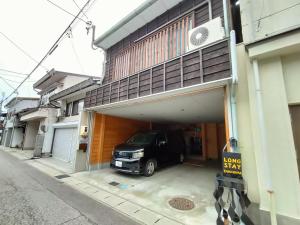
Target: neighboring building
x: 14, y: 132
x: 2, y: 124
x: 69, y: 135
x: 268, y: 104
x: 52, y: 127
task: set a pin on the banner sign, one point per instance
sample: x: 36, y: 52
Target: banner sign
x: 232, y: 164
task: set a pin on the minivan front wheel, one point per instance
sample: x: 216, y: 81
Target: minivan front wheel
x: 149, y: 168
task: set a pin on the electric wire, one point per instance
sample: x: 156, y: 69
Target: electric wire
x: 12, y: 75
x: 10, y: 71
x: 8, y: 85
x: 49, y: 51
x: 76, y: 55
x: 71, y: 14
x: 20, y: 49
x: 79, y: 8
x: 15, y: 81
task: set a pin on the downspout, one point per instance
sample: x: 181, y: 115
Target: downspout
x: 225, y: 12
x: 233, y: 114
x: 90, y: 129
x: 95, y: 48
x: 264, y: 145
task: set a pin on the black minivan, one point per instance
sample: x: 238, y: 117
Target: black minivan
x: 144, y: 151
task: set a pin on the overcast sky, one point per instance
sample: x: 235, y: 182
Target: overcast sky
x: 36, y: 24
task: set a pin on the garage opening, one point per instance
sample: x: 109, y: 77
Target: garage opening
x: 204, y: 141
x: 199, y: 117
x: 64, y: 141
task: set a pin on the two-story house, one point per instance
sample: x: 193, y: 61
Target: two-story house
x: 168, y: 64
x: 14, y: 132
x: 53, y: 125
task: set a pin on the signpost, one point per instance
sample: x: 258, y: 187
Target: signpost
x: 230, y: 193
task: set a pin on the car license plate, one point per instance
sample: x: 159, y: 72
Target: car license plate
x: 118, y: 164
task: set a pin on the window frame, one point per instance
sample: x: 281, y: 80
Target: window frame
x: 74, y: 104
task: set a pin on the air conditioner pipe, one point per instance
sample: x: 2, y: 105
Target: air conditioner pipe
x: 264, y: 145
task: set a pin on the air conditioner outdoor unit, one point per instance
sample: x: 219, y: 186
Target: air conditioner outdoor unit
x: 205, y: 34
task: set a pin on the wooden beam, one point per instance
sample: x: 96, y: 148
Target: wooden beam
x: 201, y: 66
x: 151, y: 75
x: 181, y: 71
x: 164, y: 78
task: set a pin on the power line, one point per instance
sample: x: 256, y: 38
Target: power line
x: 59, y: 7
x: 53, y: 47
x: 79, y: 8
x: 12, y: 75
x: 8, y: 85
x: 14, y: 81
x: 10, y: 71
x: 76, y: 55
x: 21, y: 49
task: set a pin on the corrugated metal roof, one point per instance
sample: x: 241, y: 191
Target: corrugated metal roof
x: 135, y: 20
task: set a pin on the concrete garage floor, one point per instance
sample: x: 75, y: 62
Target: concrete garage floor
x: 188, y: 181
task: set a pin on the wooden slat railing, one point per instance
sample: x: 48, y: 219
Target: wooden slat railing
x: 203, y: 65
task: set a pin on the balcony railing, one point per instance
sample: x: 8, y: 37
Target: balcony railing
x: 206, y: 64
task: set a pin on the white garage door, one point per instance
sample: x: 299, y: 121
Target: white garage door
x: 64, y: 144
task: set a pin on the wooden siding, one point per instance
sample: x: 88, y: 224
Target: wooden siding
x: 131, y: 49
x: 203, y: 65
x: 108, y: 132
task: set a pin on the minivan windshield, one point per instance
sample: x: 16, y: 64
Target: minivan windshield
x: 142, y: 138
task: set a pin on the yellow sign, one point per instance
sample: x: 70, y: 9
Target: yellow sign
x: 232, y: 164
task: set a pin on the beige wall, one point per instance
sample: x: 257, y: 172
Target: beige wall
x: 279, y: 75
x: 291, y: 71
x: 246, y: 145
x: 264, y: 18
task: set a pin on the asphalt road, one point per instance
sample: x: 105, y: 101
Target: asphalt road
x: 27, y: 196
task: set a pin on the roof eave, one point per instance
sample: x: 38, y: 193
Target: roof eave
x: 124, y: 21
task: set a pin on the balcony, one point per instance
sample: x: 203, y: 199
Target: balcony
x: 210, y: 63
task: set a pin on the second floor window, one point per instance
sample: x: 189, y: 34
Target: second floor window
x: 68, y: 109
x: 75, y: 108
x: 166, y: 43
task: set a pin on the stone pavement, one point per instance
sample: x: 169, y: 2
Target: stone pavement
x: 126, y: 207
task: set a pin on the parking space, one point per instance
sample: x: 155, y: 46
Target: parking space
x: 194, y: 183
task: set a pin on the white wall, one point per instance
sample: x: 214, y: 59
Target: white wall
x: 264, y: 18
x: 31, y: 131
x: 48, y: 122
x: 279, y: 77
x: 17, y: 137
x: 23, y: 104
x: 70, y: 81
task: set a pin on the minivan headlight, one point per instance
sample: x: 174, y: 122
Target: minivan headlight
x: 138, y: 154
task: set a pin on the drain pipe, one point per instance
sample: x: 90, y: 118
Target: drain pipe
x: 225, y: 12
x: 233, y: 114
x: 264, y: 145
x: 93, y: 27
x: 90, y: 123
